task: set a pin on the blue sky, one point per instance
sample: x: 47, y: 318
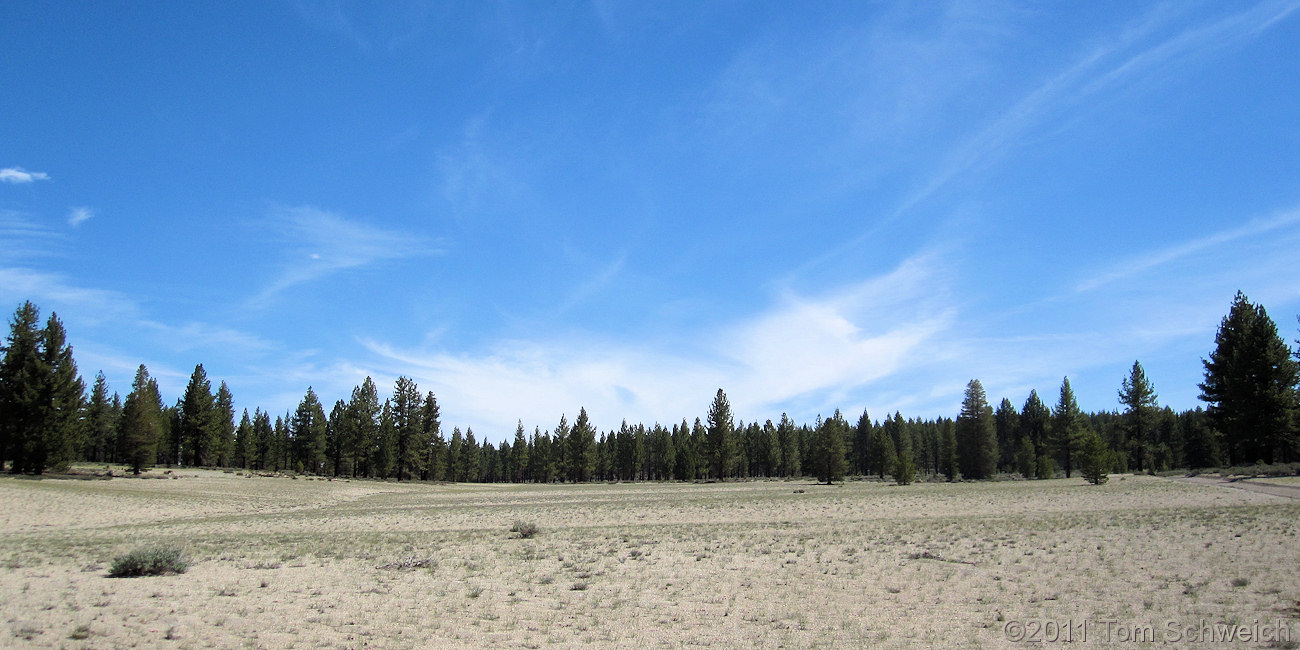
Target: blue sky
x: 533, y: 207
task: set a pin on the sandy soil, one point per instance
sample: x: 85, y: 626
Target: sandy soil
x: 282, y: 563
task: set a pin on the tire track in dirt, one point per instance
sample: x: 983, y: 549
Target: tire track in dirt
x: 1287, y: 491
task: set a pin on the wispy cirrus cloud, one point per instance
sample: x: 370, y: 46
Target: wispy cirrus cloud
x: 1146, y: 262
x: 18, y: 175
x: 79, y: 215
x: 1143, y: 47
x: 23, y: 237
x: 322, y: 243
x: 54, y: 290
x: 1148, y: 50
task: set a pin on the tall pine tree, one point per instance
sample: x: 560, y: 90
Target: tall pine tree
x: 362, y: 428
x: 142, y: 422
x: 223, y: 412
x: 309, y: 433
x: 431, y: 424
x: 828, y: 457
x: 1034, y: 420
x: 977, y: 442
x: 408, y: 429
x: 720, y: 436
x: 1066, y: 427
x: 1006, y: 420
x: 41, y: 395
x: 101, y: 424
x: 62, y: 398
x: 582, y: 440
x: 197, y: 422
x: 243, y: 442
x: 1250, y: 385
x: 1138, y: 422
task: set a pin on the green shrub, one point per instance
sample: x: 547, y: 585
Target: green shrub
x: 149, y: 561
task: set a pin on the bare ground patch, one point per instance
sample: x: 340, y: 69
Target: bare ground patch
x: 318, y: 564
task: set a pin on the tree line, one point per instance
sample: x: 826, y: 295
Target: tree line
x: 48, y: 420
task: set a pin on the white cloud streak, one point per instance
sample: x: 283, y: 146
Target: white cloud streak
x: 21, y: 237
x: 1143, y: 263
x: 18, y: 175
x: 804, y: 354
x: 322, y: 243
x: 79, y: 216
x: 1115, y: 65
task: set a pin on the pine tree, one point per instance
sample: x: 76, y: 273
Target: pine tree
x: 469, y: 458
x: 310, y: 429
x: 904, y: 469
x: 63, y: 398
x: 1200, y: 442
x: 244, y: 444
x: 720, y: 432
x: 977, y: 452
x: 1026, y: 458
x: 431, y: 423
x: 790, y: 460
x: 861, y: 452
x: 41, y: 396
x: 668, y: 452
x: 1094, y: 458
x: 1034, y: 420
x: 685, y: 450
x: 539, y: 456
x: 886, y: 450
x: 770, y: 450
x: 408, y: 429
x: 828, y: 458
x: 101, y: 423
x: 455, y: 447
x: 142, y: 422
x: 383, y: 447
x: 280, y: 447
x: 23, y: 375
x: 519, y: 453
x: 1137, y: 425
x: 1065, y: 427
x: 948, y: 449
x: 581, y: 441
x: 1250, y: 385
x: 1006, y: 420
x: 224, y: 413
x: 363, y: 427
x: 172, y: 444
x: 197, y: 421
x: 699, y: 435
x: 560, y: 449
x: 752, y: 452
x: 263, y: 441
x: 334, y: 437
x: 115, y: 447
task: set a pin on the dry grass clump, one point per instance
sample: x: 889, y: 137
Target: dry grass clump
x: 526, y: 529
x: 411, y: 562
x: 150, y: 561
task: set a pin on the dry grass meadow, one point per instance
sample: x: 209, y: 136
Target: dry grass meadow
x: 296, y: 563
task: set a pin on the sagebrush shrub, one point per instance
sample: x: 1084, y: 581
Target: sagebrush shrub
x: 526, y: 529
x: 150, y: 561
